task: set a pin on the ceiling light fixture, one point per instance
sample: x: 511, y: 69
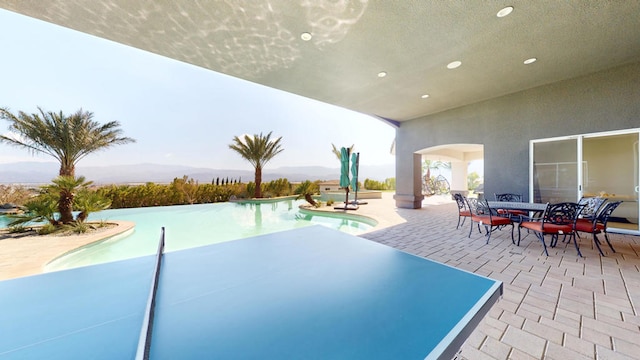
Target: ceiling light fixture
x: 504, y: 11
x: 306, y: 36
x: 530, y: 61
x: 454, y: 64
x: 382, y: 74
x: 425, y: 96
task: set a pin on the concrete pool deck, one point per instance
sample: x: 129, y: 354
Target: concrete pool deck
x: 22, y: 254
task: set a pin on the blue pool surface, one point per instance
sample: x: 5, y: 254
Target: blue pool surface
x: 189, y: 226
x: 4, y: 221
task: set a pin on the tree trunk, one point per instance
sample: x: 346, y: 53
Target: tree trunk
x: 82, y: 216
x: 65, y: 207
x: 309, y: 199
x: 65, y: 204
x: 67, y: 170
x: 258, y: 191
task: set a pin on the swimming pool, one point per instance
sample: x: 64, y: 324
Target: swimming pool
x: 4, y: 221
x: 188, y: 226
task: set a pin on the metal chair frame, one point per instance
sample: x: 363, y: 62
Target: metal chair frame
x: 482, y: 214
x: 558, y: 219
x: 598, y: 225
x: 463, y: 208
x: 515, y: 215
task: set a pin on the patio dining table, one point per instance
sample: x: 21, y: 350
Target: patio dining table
x: 514, y: 205
x: 518, y: 208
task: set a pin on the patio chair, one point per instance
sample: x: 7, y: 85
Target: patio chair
x: 515, y: 215
x: 508, y: 197
x: 483, y: 215
x: 557, y: 219
x: 598, y: 225
x: 463, y: 208
x: 590, y: 206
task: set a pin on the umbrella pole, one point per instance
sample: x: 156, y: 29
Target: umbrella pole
x: 346, y: 199
x: 355, y: 199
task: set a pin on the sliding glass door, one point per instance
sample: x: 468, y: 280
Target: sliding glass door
x: 609, y: 165
x: 613, y: 173
x: 555, y: 170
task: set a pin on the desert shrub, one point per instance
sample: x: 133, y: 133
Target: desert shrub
x: 279, y: 187
x: 388, y: 184
x: 16, y: 229
x: 374, y: 185
x: 47, y: 229
x: 15, y: 194
x: 181, y: 191
x: 78, y: 227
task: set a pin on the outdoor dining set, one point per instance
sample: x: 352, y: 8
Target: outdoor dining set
x: 564, y: 220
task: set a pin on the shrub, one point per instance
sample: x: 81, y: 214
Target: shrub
x: 16, y: 229
x: 47, y: 229
x: 78, y: 227
x: 388, y: 184
x: 306, y: 190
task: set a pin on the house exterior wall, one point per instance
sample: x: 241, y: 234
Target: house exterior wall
x: 603, y: 101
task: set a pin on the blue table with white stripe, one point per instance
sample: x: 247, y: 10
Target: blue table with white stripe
x: 310, y: 293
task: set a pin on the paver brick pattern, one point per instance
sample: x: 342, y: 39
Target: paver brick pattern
x: 556, y: 307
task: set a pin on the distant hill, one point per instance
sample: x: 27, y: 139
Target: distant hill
x: 43, y: 172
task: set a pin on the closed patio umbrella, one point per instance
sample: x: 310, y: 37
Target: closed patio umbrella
x: 344, y: 173
x: 354, y: 171
x: 344, y: 168
x: 344, y: 179
x: 355, y: 168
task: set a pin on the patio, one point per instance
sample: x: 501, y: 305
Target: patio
x: 556, y: 307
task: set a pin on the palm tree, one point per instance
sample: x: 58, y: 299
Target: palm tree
x: 67, y: 186
x: 87, y: 201
x: 306, y: 190
x: 258, y: 150
x: 66, y: 138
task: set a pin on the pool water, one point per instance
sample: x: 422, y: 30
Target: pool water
x: 4, y: 221
x: 188, y: 226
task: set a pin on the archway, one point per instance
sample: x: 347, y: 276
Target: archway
x: 459, y: 156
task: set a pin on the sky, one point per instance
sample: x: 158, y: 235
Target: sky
x: 179, y: 114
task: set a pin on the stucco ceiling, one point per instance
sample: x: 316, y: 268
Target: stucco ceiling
x: 352, y: 41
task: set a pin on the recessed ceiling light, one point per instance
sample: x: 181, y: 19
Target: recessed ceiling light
x: 530, y: 61
x: 306, y: 36
x: 425, y: 96
x: 504, y: 11
x: 454, y: 64
x: 382, y: 74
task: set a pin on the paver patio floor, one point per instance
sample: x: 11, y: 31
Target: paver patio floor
x: 556, y: 307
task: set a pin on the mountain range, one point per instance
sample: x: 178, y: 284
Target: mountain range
x: 43, y: 172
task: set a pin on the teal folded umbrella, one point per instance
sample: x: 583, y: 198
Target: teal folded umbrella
x: 355, y: 157
x: 344, y: 169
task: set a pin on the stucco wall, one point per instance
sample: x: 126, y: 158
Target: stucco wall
x: 604, y: 101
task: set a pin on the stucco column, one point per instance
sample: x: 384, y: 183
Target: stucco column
x: 409, y: 181
x: 459, y: 176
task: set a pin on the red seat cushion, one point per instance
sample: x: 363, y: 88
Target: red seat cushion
x: 585, y: 225
x: 491, y: 220
x: 465, y: 213
x: 548, y: 228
